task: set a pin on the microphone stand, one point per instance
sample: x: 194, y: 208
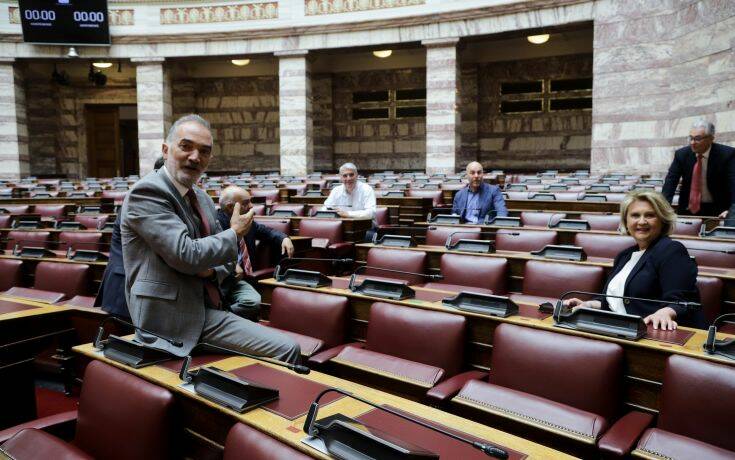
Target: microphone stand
x: 725, y: 347
x: 314, y: 429
x: 306, y: 278
x: 386, y: 289
x: 469, y: 245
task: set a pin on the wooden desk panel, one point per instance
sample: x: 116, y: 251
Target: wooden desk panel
x: 212, y: 421
x: 354, y: 229
x: 644, y: 359
x: 410, y: 209
x: 579, y: 206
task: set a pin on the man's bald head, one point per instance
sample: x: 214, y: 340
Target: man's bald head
x: 475, y: 174
x: 231, y: 195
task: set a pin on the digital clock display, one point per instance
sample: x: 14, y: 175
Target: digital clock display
x: 65, y: 22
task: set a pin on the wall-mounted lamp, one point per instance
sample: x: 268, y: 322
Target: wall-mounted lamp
x: 382, y: 53
x: 538, y: 39
x: 72, y: 53
x: 102, y: 65
x: 240, y: 62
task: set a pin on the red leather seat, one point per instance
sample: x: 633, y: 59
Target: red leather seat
x: 16, y: 209
x: 92, y: 221
x: 540, y: 219
x: 316, y: 321
x: 472, y: 273
x: 297, y: 209
x: 689, y: 226
x: 566, y: 196
x: 113, y: 427
x: 10, y: 273
x: 327, y: 242
x: 87, y: 241
x: 28, y: 238
x: 547, y: 281
x: 381, y: 216
x: 568, y: 385
x: 259, y: 209
x: 70, y: 279
x: 604, y: 222
x: 436, y: 235
x: 437, y: 196
x: 710, y: 257
x: 34, y: 444
x: 523, y: 240
x: 281, y: 225
x: 5, y: 220
x: 57, y: 211
x: 614, y: 197
x: 415, y: 346
x: 271, y: 195
x: 602, y: 245
x: 710, y: 295
x: 396, y: 259
x: 697, y: 403
x: 117, y: 196
x: 248, y: 443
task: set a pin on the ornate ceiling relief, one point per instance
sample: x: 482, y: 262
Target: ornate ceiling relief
x: 316, y: 7
x: 117, y: 17
x: 219, y: 13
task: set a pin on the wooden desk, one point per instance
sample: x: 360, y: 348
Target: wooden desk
x: 410, y: 209
x: 644, y: 359
x: 579, y: 206
x: 354, y: 229
x: 97, y: 268
x: 105, y: 203
x: 203, y: 419
x: 517, y: 262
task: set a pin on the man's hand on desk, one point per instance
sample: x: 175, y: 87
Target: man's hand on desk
x: 345, y: 214
x: 241, y: 223
x: 287, y: 247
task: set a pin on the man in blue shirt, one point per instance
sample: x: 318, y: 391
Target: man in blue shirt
x: 478, y: 199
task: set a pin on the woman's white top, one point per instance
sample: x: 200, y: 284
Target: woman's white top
x: 617, y: 284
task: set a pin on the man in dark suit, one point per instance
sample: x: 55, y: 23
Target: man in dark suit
x: 707, y: 171
x: 240, y: 295
x: 478, y: 199
x: 111, y: 295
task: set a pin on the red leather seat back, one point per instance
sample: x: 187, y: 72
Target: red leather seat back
x: 248, y: 443
x: 436, y: 196
x: 88, y: 241
x: 709, y: 258
x: 297, y: 209
x: 601, y: 245
x: 282, y: 225
x: 614, y: 197
x: 259, y: 209
x: 397, y: 259
x: 540, y: 219
x: 34, y: 444
x: 16, y: 209
x: 428, y: 337
x: 525, y: 241
x: 330, y: 229
x: 116, y: 195
x: 381, y: 216
x: 475, y: 271
x: 10, y: 273
x: 604, y: 222
x: 566, y: 196
x: 69, y: 278
x: 122, y: 416
x: 28, y: 238
x: 582, y: 373
x: 436, y: 235
x: 92, y: 221
x: 552, y: 279
x: 698, y: 400
x: 271, y: 195
x: 5, y: 220
x: 57, y: 211
x: 688, y: 226
x: 710, y: 295
x: 318, y: 315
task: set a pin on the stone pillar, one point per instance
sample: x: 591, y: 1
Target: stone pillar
x: 295, y: 113
x: 443, y: 123
x: 154, y: 109
x: 14, y: 157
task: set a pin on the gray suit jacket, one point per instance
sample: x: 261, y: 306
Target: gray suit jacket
x: 162, y: 252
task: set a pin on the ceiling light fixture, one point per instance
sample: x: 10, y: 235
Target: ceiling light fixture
x: 382, y: 53
x: 240, y: 62
x: 102, y: 65
x: 72, y: 52
x: 538, y: 39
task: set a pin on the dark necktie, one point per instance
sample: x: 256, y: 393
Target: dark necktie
x: 204, y: 230
x: 695, y: 194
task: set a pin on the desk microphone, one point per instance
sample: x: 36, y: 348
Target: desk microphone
x: 683, y: 303
x: 362, y: 268
x: 186, y: 377
x: 722, y: 347
x: 100, y: 332
x: 335, y: 262
x: 313, y: 430
x: 465, y: 232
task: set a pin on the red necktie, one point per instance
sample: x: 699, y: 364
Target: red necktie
x: 245, y: 262
x: 204, y: 229
x: 695, y: 194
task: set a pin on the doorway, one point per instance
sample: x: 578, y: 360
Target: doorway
x: 112, y: 140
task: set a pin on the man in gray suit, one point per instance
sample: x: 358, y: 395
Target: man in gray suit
x: 176, y: 254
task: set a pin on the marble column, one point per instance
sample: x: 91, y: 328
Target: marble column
x: 295, y: 113
x: 14, y: 157
x: 443, y: 122
x: 153, y: 84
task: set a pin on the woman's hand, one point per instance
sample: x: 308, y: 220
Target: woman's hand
x: 575, y: 303
x: 662, y: 319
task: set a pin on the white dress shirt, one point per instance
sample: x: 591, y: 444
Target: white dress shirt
x: 360, y: 204
x: 617, y: 284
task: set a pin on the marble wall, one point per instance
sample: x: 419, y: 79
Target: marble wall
x: 153, y: 91
x: 13, y: 129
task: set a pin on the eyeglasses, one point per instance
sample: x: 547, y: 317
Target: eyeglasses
x: 697, y: 138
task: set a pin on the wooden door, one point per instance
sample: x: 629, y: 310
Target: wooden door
x: 104, y: 157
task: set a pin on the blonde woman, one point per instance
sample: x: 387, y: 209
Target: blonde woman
x: 657, y: 267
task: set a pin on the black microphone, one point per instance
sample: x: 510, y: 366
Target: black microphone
x: 311, y: 430
x: 335, y: 262
x: 390, y: 270
x: 465, y: 232
x: 711, y: 345
x: 184, y: 372
x: 683, y: 303
x: 100, y: 332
